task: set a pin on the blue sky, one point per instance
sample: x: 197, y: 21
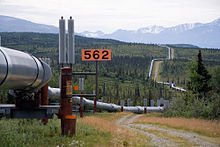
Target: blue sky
x: 110, y: 15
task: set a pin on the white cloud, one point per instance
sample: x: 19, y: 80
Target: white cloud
x: 110, y: 15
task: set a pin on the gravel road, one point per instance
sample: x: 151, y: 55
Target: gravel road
x: 165, y: 137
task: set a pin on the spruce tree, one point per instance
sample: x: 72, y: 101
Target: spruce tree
x: 199, y: 77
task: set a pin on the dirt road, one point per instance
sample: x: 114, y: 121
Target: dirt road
x: 165, y: 137
x: 172, y: 53
x: 156, y: 70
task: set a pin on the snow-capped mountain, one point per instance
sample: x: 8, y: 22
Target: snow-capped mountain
x: 151, y: 29
x: 92, y: 34
x: 184, y: 27
x: 200, y: 34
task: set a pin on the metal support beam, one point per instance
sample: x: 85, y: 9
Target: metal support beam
x: 81, y: 106
x: 84, y: 73
x: 68, y: 121
x: 97, y: 86
x: 145, y: 110
x: 44, y: 99
x: 43, y: 112
x: 84, y: 95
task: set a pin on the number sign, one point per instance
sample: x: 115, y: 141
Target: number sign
x: 96, y: 54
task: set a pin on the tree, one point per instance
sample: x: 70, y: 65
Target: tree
x: 199, y: 77
x: 216, y: 79
x: 137, y: 94
x: 150, y: 97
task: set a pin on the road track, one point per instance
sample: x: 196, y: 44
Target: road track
x: 165, y: 137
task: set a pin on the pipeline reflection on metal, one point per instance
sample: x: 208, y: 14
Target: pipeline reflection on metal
x: 106, y: 106
x: 22, y: 71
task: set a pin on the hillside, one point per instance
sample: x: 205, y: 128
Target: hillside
x: 126, y: 75
x: 11, y: 24
x: 119, y: 78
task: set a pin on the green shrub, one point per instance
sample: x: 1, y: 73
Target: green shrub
x: 191, y: 106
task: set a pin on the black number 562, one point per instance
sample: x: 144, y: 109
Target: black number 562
x: 96, y: 54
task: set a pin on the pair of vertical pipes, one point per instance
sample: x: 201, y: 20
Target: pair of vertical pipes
x: 68, y: 121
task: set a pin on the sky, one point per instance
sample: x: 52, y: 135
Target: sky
x: 111, y: 15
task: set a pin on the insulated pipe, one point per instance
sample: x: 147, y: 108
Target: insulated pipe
x: 62, y: 41
x: 22, y: 71
x: 71, y: 45
x: 114, y: 107
x: 55, y: 92
x: 168, y: 53
x: 151, y: 67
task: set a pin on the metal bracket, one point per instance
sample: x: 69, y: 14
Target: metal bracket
x: 45, y: 111
x: 84, y: 95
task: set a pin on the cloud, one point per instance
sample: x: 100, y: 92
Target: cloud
x: 109, y: 15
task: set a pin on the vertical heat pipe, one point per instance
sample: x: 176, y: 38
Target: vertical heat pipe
x: 71, y: 40
x: 62, y: 41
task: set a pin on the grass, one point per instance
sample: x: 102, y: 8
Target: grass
x: 120, y: 136
x: 212, y: 140
x: 18, y: 132
x: 97, y: 129
x: 111, y: 116
x: 205, y: 127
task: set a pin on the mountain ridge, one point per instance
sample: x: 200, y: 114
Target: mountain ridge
x: 206, y: 35
x: 12, y: 24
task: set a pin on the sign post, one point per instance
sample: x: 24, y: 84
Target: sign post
x: 81, y: 88
x: 97, y: 86
x: 96, y: 55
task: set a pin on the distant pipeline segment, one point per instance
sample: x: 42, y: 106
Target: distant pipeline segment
x: 172, y: 85
x: 55, y: 92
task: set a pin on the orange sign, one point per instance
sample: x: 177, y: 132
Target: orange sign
x: 96, y: 54
x: 76, y: 87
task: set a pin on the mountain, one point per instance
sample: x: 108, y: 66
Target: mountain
x: 206, y: 35
x: 11, y: 24
x: 183, y: 45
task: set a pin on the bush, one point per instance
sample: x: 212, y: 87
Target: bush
x: 191, y: 106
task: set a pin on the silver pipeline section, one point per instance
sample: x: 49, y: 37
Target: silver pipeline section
x: 55, y: 92
x: 22, y: 71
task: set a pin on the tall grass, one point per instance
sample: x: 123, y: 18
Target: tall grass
x: 97, y: 129
x: 19, y: 133
x: 205, y: 127
x: 120, y: 136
